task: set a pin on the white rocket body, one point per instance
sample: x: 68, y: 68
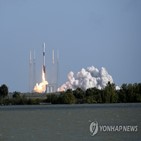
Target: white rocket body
x: 44, y: 68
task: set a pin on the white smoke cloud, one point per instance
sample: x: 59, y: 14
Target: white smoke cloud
x: 87, y: 78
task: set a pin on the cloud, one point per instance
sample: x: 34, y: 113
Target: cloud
x: 87, y: 78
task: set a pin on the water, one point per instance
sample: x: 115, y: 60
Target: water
x: 68, y: 122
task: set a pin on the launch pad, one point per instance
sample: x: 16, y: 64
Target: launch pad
x: 44, y: 86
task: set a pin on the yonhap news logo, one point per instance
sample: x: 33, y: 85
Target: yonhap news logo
x: 95, y: 128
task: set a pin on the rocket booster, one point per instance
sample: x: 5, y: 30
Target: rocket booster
x: 44, y: 69
x: 44, y: 54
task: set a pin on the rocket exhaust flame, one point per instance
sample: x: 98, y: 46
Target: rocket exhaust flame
x: 41, y: 87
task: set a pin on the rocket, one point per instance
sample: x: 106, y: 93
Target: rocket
x: 44, y: 68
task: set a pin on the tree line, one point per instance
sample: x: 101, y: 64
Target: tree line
x: 128, y: 93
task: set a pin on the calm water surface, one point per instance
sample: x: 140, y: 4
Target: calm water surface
x: 68, y: 122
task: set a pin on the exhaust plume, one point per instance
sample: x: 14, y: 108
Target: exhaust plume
x: 41, y: 87
x: 87, y: 78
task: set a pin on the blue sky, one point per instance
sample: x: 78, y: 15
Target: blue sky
x: 102, y: 33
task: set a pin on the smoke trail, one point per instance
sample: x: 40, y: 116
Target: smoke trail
x: 87, y: 78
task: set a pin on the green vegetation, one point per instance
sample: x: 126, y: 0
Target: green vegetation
x: 3, y: 91
x: 128, y: 93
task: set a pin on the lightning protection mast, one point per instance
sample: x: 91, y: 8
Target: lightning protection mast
x: 57, y: 81
x: 34, y: 69
x: 30, y: 72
